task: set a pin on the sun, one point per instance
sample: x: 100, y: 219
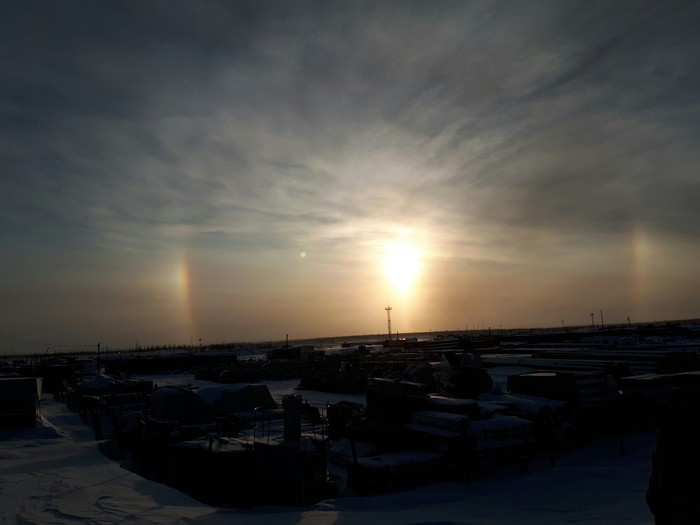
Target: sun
x: 402, y: 265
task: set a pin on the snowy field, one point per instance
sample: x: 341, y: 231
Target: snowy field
x: 56, y: 474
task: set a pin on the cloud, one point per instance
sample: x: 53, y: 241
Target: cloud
x: 492, y: 133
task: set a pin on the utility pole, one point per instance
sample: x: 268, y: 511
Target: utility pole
x: 388, y: 319
x: 592, y: 320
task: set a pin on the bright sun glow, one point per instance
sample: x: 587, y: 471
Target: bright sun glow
x: 402, y: 265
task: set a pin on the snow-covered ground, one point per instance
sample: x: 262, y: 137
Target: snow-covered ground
x: 56, y: 474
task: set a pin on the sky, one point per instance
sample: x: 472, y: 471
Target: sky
x: 172, y: 171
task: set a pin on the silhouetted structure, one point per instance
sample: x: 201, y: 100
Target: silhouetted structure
x: 672, y: 494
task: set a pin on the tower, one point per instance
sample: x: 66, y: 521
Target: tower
x: 388, y: 318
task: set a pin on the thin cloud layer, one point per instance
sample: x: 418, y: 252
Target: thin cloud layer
x: 502, y: 135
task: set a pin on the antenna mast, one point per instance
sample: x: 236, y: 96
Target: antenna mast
x: 388, y: 319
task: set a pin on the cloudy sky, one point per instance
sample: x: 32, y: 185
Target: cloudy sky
x: 238, y: 171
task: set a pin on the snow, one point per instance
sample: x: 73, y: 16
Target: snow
x: 56, y: 474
